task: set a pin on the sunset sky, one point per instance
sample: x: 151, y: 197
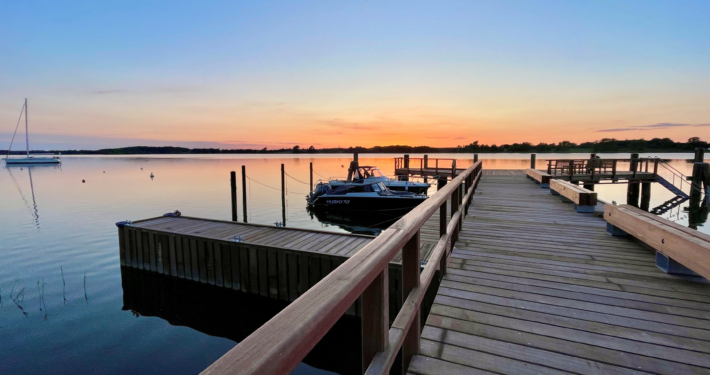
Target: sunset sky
x: 278, y: 74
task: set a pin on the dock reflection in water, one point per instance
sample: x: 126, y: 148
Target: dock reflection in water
x: 357, y: 222
x: 233, y: 315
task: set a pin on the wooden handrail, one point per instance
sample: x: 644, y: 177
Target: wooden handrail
x: 280, y: 345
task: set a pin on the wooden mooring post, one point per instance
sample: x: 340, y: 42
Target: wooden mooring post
x: 475, y: 158
x: 532, y: 161
x: 283, y: 195
x: 632, y: 193
x: 311, y: 169
x: 244, y: 191
x: 233, y: 185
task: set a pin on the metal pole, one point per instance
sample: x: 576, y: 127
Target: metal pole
x: 244, y: 191
x: 27, y: 130
x: 233, y: 183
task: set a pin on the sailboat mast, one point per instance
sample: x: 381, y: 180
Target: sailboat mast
x: 27, y: 131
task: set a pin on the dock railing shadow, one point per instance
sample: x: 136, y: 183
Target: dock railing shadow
x: 280, y: 344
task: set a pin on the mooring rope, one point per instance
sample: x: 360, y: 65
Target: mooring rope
x: 271, y: 187
x: 305, y: 183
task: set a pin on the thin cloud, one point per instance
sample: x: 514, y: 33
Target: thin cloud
x: 102, y: 92
x: 660, y: 125
x: 338, y: 123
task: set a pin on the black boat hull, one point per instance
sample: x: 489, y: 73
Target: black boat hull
x: 381, y: 203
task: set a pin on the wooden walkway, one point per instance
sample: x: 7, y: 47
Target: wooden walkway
x: 535, y: 288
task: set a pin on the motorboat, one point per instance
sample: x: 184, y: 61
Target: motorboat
x: 28, y: 159
x: 372, y: 174
x: 362, y: 196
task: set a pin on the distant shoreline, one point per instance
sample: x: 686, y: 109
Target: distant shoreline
x: 607, y: 145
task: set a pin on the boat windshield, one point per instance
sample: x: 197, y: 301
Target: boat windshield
x: 376, y: 187
x: 376, y: 173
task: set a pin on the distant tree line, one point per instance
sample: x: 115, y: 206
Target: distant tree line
x: 604, y: 145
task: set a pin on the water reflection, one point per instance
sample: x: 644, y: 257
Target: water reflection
x: 358, y: 222
x: 233, y: 315
x: 34, y: 211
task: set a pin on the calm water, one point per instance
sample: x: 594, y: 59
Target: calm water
x: 65, y: 306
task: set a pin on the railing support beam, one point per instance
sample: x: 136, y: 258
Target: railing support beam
x: 410, y: 280
x: 375, y: 318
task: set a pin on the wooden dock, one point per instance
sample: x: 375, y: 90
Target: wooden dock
x: 276, y: 262
x: 532, y: 287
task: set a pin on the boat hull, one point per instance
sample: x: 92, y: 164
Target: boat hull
x: 23, y: 161
x: 380, y: 203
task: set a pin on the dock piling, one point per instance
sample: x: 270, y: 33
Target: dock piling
x: 283, y: 195
x: 233, y: 185
x: 475, y: 158
x: 532, y: 160
x: 645, y: 195
x: 311, y: 176
x: 632, y: 193
x: 244, y: 191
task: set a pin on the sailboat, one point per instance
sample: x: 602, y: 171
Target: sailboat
x: 28, y: 159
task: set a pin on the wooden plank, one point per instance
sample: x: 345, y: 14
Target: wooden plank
x: 292, y: 260
x: 691, y: 251
x: 244, y: 269
x: 153, y: 264
x: 202, y: 260
x: 272, y: 272
x: 186, y: 260
x: 173, y: 256
x: 226, y: 264
x: 538, y: 176
x: 253, y: 270
x: 578, y: 195
x: 313, y: 270
x: 262, y: 269
x: 303, y: 273
x: 209, y: 262
x: 121, y: 246
x: 195, y: 259
x: 218, y: 265
x: 282, y: 274
x: 233, y: 252
x: 146, y: 249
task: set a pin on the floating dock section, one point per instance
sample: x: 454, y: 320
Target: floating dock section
x: 276, y: 262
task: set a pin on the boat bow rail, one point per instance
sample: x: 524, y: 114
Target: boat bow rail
x: 279, y: 345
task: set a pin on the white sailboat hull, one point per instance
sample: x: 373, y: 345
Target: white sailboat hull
x: 32, y: 161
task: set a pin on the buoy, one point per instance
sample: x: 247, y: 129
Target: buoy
x: 83, y: 181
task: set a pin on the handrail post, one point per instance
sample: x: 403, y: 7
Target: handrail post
x: 571, y: 169
x: 410, y: 279
x: 549, y: 167
x: 655, y: 167
x: 454, y: 208
x: 375, y: 318
x: 442, y: 232
x: 613, y: 170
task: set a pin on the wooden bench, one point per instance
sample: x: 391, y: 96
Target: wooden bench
x: 584, y: 200
x: 679, y: 250
x: 539, y: 177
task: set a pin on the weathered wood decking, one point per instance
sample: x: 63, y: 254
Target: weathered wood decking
x: 535, y: 288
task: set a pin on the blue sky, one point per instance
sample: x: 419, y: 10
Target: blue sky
x: 234, y: 74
